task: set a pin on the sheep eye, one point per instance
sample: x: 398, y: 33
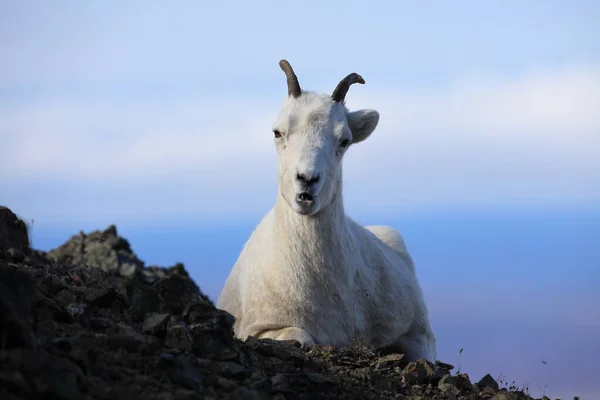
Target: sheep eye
x: 345, y: 143
x: 277, y: 134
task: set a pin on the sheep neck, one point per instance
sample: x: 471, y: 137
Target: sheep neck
x: 310, y: 243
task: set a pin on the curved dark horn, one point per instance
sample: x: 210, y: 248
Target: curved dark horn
x: 292, y: 80
x: 339, y: 94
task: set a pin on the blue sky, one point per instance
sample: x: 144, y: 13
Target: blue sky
x: 157, y: 117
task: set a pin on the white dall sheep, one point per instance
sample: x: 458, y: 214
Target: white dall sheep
x: 309, y: 272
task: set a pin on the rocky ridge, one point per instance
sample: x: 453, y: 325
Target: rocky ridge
x: 89, y: 320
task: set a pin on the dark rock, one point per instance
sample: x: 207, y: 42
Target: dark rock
x: 123, y: 336
x: 127, y: 331
x: 390, y: 361
x: 17, y: 294
x: 179, y: 335
x: 51, y: 285
x: 55, y: 377
x: 443, y: 365
x: 188, y: 374
x: 100, y: 323
x: 178, y: 269
x: 506, y: 396
x: 463, y: 382
x: 318, y: 378
x: 448, y: 379
x: 100, y: 249
x: 177, y: 291
x: 422, y: 371
x: 488, y: 382
x: 447, y: 385
x: 280, y: 383
x: 62, y: 344
x: 65, y: 297
x: 91, y: 322
x: 101, y: 296
x: 14, y: 382
x: 76, y: 309
x: 144, y: 300
x: 186, y: 394
x: 227, y: 353
x: 15, y: 255
x: 13, y: 233
x: 47, y: 308
x: 277, y: 349
x: 153, y: 273
x: 199, y: 310
x: 149, y: 277
x: 232, y: 370
x: 156, y: 324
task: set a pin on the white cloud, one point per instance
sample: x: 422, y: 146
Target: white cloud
x: 536, y: 137
x: 533, y: 138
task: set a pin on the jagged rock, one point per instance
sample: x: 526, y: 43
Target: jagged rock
x: 13, y: 232
x: 444, y: 365
x: 390, y: 361
x: 448, y: 388
x: 177, y: 291
x: 505, y: 396
x: 448, y: 379
x: 463, y: 382
x: 127, y: 331
x: 89, y: 321
x: 231, y: 369
x: 155, y: 324
x: 488, y: 382
x: 188, y: 374
x: 62, y: 344
x: 277, y: 349
x: 280, y: 383
x: 101, y: 296
x: 56, y: 377
x: 100, y: 249
x: 422, y: 371
x: 143, y: 301
x: 17, y: 294
x: 198, y: 310
x: 179, y: 335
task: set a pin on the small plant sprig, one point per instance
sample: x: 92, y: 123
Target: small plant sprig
x: 459, y: 358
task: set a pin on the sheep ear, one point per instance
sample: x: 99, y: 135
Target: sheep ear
x: 362, y: 123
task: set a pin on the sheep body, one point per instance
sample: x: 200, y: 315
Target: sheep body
x: 351, y: 283
x: 310, y: 273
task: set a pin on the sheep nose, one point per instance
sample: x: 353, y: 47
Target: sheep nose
x: 307, y: 181
x: 304, y: 198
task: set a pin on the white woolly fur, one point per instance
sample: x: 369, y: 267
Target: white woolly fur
x: 309, y: 272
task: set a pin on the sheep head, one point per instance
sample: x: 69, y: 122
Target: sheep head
x: 312, y: 133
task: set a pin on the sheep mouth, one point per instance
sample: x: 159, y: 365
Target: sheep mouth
x: 305, y: 199
x: 305, y: 203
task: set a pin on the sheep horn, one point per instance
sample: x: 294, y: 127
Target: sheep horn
x: 339, y: 94
x: 292, y: 80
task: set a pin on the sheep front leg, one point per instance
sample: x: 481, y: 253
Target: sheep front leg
x: 290, y: 333
x: 417, y: 346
